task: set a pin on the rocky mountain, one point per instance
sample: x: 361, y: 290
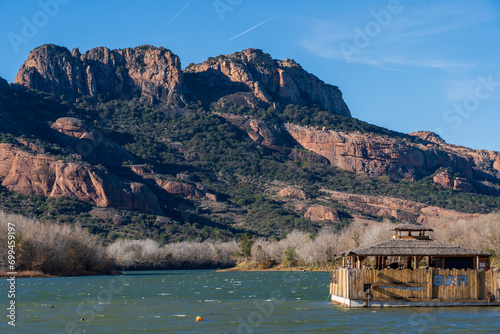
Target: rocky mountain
x: 250, y: 77
x: 151, y: 73
x: 399, y: 209
x: 378, y: 155
x: 401, y: 158
x: 237, y: 143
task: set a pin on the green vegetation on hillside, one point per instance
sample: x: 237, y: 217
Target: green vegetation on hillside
x: 195, y: 141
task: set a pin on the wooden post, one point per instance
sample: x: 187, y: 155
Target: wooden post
x: 415, y: 260
x: 348, y: 285
x: 477, y: 262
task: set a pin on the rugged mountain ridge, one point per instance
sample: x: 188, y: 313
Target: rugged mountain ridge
x: 377, y: 155
x: 154, y: 74
x: 151, y: 73
x: 380, y: 155
x: 253, y: 76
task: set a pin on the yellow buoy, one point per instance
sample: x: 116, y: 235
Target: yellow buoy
x: 198, y: 318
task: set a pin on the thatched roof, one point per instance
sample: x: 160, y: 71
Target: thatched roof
x: 412, y: 227
x: 412, y: 247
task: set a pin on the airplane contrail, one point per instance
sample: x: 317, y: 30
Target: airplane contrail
x: 175, y: 16
x: 244, y: 32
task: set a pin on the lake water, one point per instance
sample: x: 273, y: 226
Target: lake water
x: 228, y: 302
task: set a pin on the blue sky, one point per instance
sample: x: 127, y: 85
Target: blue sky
x: 405, y: 65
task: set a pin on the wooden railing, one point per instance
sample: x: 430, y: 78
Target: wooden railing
x: 420, y: 284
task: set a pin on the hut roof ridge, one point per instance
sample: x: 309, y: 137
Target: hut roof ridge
x: 413, y: 247
x: 411, y: 227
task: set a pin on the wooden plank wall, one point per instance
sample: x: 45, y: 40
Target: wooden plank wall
x: 415, y: 284
x: 341, y: 288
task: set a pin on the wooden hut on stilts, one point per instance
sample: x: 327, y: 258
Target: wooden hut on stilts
x: 413, y: 270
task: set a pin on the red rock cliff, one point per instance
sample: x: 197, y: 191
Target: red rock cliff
x: 259, y: 78
x: 31, y: 174
x: 145, y: 71
x: 378, y: 155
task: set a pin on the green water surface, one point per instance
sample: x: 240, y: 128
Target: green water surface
x: 228, y: 302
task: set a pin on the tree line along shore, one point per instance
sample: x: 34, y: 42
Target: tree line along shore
x: 50, y: 249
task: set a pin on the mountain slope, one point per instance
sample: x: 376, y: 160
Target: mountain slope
x: 148, y: 149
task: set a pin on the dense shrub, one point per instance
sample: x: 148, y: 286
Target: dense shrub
x: 53, y: 248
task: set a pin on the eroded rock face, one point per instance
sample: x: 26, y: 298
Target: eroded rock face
x: 211, y: 197
x: 274, y: 136
x: 142, y: 170
x: 31, y: 174
x: 377, y: 155
x: 397, y: 208
x: 292, y: 192
x: 148, y: 72
x: 253, y: 76
x: 179, y: 188
x: 270, y: 135
x: 428, y: 136
x: 321, y: 213
x: 445, y: 179
x: 461, y: 184
x: 89, y: 143
x: 487, y: 162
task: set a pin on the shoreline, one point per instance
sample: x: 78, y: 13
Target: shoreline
x: 40, y: 274
x: 26, y: 274
x: 245, y: 266
x: 252, y: 266
x: 271, y: 269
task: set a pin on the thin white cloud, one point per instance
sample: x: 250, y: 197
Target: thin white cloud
x: 255, y: 26
x: 411, y: 38
x: 174, y: 17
